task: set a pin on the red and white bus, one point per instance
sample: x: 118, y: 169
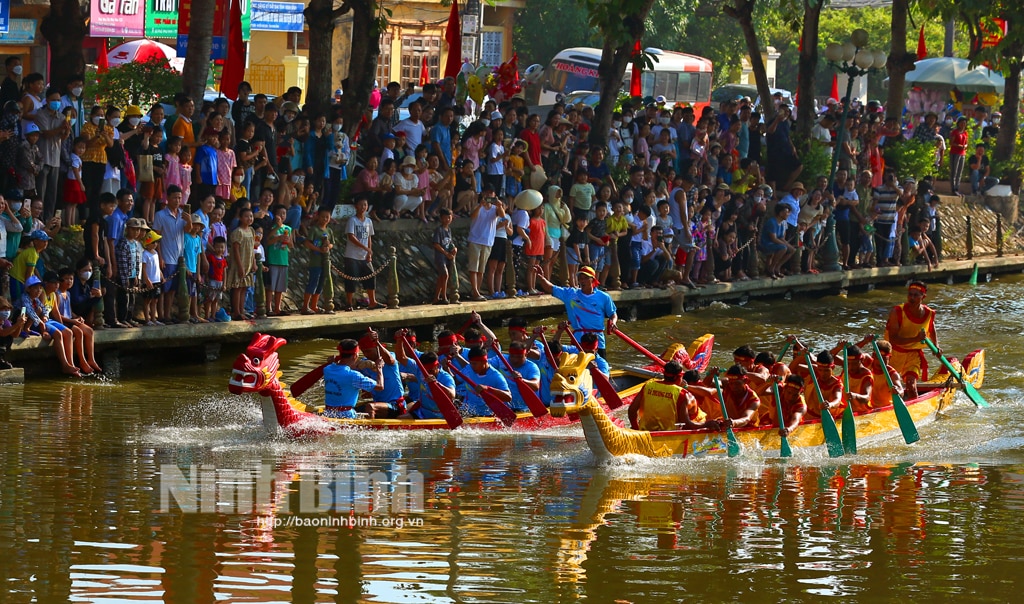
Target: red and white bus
x: 679, y: 77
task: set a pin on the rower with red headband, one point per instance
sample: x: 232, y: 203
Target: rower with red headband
x: 587, y: 307
x: 588, y: 343
x: 425, y: 406
x: 342, y: 382
x: 405, y: 364
x: 485, y: 377
x: 909, y: 323
x: 521, y: 368
x: 389, y: 401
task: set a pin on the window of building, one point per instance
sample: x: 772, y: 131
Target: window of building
x: 384, y: 60
x: 414, y: 48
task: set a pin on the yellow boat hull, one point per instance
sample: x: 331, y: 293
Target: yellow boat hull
x: 608, y: 440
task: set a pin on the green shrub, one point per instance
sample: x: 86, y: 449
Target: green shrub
x: 817, y: 161
x: 141, y: 84
x: 913, y: 158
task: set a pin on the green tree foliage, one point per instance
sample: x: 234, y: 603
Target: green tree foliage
x: 140, y: 84
x: 546, y: 28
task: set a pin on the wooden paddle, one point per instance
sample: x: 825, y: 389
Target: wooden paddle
x: 849, y: 423
x: 531, y: 398
x: 972, y: 392
x: 828, y: 424
x: 647, y: 353
x: 906, y: 422
x: 733, y: 448
x: 604, y: 385
x: 784, y: 449
x: 503, y: 412
x: 305, y: 382
x: 442, y: 399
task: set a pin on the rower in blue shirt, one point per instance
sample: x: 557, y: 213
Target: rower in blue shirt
x: 485, y: 377
x: 524, y: 368
x: 588, y: 343
x: 419, y: 388
x: 389, y: 401
x: 342, y: 382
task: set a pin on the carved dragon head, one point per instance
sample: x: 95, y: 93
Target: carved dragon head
x: 255, y: 370
x: 571, y: 386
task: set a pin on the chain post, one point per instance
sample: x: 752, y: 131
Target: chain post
x: 393, y: 279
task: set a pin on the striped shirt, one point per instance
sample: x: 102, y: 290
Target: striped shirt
x: 886, y: 202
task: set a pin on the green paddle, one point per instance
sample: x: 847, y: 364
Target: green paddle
x: 849, y: 423
x: 782, y: 352
x: 972, y: 392
x: 734, y: 445
x: 784, y: 449
x: 828, y: 424
x: 907, y: 426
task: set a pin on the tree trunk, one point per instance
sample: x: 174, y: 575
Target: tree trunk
x: 614, y: 59
x: 363, y: 63
x: 1006, y: 142
x: 64, y: 29
x: 200, y: 44
x: 808, y: 65
x: 900, y: 61
x: 320, y: 16
x: 743, y: 13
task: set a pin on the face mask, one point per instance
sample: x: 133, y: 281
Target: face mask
x: 134, y: 121
x: 627, y: 200
x: 4, y: 315
x: 995, y: 121
x: 336, y: 127
x: 114, y: 122
x: 289, y: 118
x: 407, y: 170
x: 486, y: 122
x: 15, y: 206
x: 85, y: 275
x: 664, y: 121
x: 96, y: 120
x: 17, y: 69
x: 948, y: 122
x: 54, y: 105
x: 76, y: 91
x: 627, y: 119
x: 239, y: 178
x: 617, y: 124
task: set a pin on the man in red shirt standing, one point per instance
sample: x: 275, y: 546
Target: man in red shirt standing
x: 957, y: 153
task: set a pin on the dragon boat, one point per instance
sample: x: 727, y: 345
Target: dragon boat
x: 258, y: 370
x: 608, y: 439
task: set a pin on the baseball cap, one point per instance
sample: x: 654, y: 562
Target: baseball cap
x: 496, y: 115
x: 588, y: 271
x: 39, y: 234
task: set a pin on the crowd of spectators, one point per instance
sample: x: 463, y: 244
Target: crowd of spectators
x: 674, y: 197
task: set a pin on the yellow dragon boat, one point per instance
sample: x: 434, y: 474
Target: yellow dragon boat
x: 608, y: 440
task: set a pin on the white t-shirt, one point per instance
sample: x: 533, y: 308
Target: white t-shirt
x: 481, y: 229
x: 406, y: 183
x: 151, y: 266
x: 520, y: 220
x: 363, y: 230
x: 495, y: 161
x: 414, y: 132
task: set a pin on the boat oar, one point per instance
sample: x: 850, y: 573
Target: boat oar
x: 784, y: 449
x: 733, y: 449
x: 972, y: 392
x: 503, y: 412
x: 849, y: 423
x: 604, y: 385
x: 529, y: 396
x: 828, y: 424
x: 782, y: 352
x: 640, y: 348
x: 305, y: 382
x: 442, y: 399
x: 906, y: 422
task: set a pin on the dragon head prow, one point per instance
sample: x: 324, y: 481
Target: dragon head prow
x: 256, y: 369
x: 571, y: 386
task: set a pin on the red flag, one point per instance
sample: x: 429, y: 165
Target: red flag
x: 234, y: 64
x: 424, y: 72
x: 922, y: 50
x: 635, y: 88
x: 835, y: 88
x: 101, y: 60
x: 453, y: 36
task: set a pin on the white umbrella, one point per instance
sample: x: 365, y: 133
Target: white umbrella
x: 139, y: 51
x: 951, y: 72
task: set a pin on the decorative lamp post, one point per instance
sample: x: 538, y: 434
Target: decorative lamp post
x: 854, y: 59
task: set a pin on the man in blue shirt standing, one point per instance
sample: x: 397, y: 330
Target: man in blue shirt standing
x: 586, y: 306
x: 441, y: 138
x: 342, y: 382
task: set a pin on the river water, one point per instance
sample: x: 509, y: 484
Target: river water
x: 512, y: 517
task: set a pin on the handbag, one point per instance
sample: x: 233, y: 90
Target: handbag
x: 145, y: 170
x: 538, y: 177
x: 129, y: 172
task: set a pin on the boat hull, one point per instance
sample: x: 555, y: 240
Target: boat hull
x: 608, y: 440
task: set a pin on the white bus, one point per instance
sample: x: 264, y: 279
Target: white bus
x: 679, y: 77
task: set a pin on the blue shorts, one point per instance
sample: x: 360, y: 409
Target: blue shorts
x: 598, y: 257
x: 339, y: 413
x: 424, y: 413
x: 313, y: 286
x: 52, y: 327
x: 634, y: 254
x: 571, y: 257
x: 770, y: 247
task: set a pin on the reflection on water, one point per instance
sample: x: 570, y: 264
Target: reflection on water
x: 515, y: 517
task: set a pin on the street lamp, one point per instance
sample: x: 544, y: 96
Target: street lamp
x: 854, y: 59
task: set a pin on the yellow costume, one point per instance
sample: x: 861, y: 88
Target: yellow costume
x: 909, y: 358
